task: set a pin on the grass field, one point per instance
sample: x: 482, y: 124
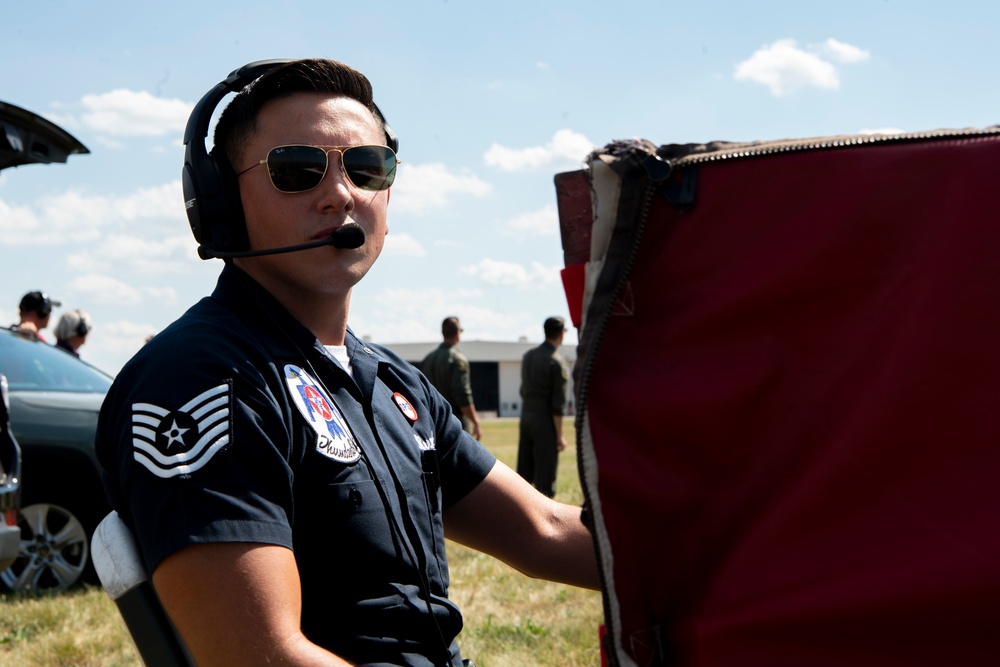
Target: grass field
x: 510, y: 620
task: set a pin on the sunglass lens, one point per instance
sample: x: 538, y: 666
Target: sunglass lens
x: 296, y: 168
x: 370, y: 167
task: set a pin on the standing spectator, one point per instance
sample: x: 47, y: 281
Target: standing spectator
x: 72, y: 330
x: 35, y: 310
x: 543, y: 402
x: 448, y: 370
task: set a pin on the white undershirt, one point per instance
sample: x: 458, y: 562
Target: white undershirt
x: 339, y: 352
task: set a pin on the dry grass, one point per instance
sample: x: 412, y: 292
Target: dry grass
x: 511, y: 620
x: 514, y: 621
x: 77, y: 629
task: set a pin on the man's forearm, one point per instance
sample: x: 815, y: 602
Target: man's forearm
x: 470, y: 412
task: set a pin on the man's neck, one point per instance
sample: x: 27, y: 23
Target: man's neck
x: 323, y: 313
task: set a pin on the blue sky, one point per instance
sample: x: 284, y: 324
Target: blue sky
x: 489, y: 100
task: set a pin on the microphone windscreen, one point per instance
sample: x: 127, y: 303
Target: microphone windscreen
x: 348, y: 236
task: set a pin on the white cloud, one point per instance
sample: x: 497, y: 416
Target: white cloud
x: 77, y: 217
x: 129, y: 113
x: 403, y: 245
x: 785, y: 68
x: 841, y: 52
x: 508, y: 274
x: 543, y: 222
x: 405, y: 314
x: 419, y: 188
x: 104, y: 290
x: 113, y: 343
x: 141, y: 256
x: 565, y: 146
x: 70, y: 217
x: 541, y: 64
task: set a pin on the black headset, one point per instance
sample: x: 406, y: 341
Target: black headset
x: 211, y: 191
x: 82, y: 327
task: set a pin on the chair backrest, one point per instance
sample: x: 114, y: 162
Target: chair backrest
x: 122, y: 573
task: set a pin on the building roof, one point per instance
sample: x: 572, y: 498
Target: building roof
x: 480, y: 350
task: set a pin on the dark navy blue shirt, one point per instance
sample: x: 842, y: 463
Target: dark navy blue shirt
x: 236, y: 425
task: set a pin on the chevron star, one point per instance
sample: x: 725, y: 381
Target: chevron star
x: 175, y: 434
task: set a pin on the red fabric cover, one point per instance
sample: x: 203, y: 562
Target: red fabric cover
x: 574, y: 280
x: 798, y: 430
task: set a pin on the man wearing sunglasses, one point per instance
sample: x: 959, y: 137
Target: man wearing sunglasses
x: 290, y: 485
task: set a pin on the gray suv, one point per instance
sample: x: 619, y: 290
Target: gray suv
x: 10, y: 485
x: 54, y: 401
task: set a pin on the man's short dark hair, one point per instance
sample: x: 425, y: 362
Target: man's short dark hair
x: 238, y: 121
x: 554, y: 326
x: 450, y: 327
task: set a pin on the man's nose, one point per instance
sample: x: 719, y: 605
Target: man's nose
x: 335, y: 188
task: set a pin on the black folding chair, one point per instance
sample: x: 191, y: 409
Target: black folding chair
x: 120, y: 569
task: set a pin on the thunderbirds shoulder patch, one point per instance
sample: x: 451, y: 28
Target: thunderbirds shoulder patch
x: 333, y: 437
x: 177, y: 442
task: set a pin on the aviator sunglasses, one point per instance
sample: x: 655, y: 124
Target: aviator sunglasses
x: 299, y: 168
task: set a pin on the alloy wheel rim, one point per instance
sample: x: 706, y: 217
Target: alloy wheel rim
x: 53, y: 553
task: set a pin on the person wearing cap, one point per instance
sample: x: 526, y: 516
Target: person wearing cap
x: 543, y: 403
x: 72, y: 329
x: 448, y: 370
x: 35, y: 310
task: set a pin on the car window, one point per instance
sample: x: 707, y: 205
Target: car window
x: 31, y: 365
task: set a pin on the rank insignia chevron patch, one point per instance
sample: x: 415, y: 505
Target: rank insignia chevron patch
x: 180, y: 442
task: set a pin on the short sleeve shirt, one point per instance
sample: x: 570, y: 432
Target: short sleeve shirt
x: 236, y: 425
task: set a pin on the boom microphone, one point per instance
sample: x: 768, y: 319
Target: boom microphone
x: 345, y: 237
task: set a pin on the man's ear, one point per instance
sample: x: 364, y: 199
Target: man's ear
x: 388, y: 195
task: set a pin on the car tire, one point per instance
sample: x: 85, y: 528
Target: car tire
x: 54, y: 554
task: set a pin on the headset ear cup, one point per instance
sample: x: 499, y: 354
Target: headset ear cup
x: 192, y: 203
x: 212, y: 200
x: 228, y: 225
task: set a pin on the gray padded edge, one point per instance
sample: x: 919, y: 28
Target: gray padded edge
x: 116, y: 557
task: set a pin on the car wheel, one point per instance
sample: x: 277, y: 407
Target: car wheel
x: 54, y: 550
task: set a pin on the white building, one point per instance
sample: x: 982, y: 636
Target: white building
x: 495, y: 370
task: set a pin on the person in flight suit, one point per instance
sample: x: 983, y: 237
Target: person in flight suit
x: 448, y: 370
x: 289, y: 485
x: 543, y: 403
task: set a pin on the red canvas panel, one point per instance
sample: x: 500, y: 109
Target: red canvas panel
x: 790, y: 427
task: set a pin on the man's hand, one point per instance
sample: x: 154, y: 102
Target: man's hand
x: 557, y: 421
x: 469, y: 411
